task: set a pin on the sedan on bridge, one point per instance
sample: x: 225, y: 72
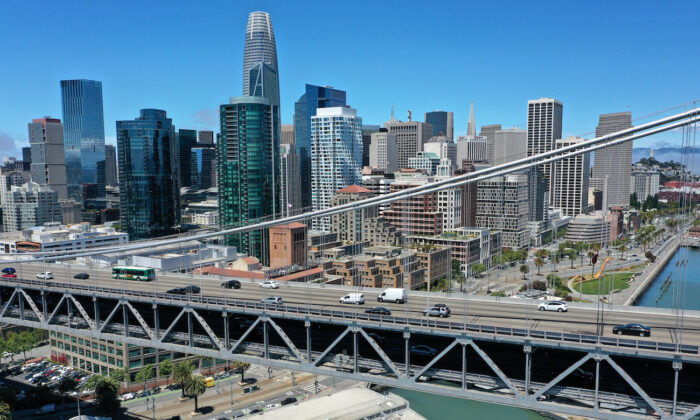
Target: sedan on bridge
x: 8, y: 271
x: 231, y: 284
x: 81, y: 276
x: 554, y: 305
x: 45, y: 275
x: 423, y: 350
x: 272, y: 300
x: 632, y: 329
x: 378, y: 311
x: 441, y: 311
x: 270, y: 284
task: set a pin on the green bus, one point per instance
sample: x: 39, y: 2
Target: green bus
x: 133, y: 273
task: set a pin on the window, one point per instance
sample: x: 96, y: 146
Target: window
x: 111, y: 360
x: 81, y: 351
x: 120, y: 352
x: 134, y: 364
x: 81, y: 341
x: 120, y: 363
x: 110, y: 350
x: 134, y: 353
x: 103, y: 347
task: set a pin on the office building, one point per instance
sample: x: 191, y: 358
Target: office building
x: 336, y: 156
x: 186, y: 140
x: 509, y: 145
x: 443, y: 147
x: 442, y: 122
x: 367, y: 131
x: 469, y: 245
x: 489, y: 131
x: 645, y: 184
x: 570, y: 180
x: 83, y: 132
x: 260, y: 47
x: 378, y: 182
x: 149, y: 191
x: 314, y: 97
x: 111, y: 166
x: 48, y: 156
x: 348, y: 225
x: 502, y: 204
x: 614, y: 163
x: 383, y: 154
x: 288, y: 134
x: 589, y: 228
x: 471, y: 125
x: 28, y: 206
x: 288, y: 245
x: 471, y: 149
x: 248, y: 169
x: 8, y: 179
x: 544, y: 125
x: 61, y: 237
x: 27, y: 159
x: 205, y: 137
x: 425, y: 162
x: 290, y: 188
x: 202, y: 164
x: 410, y: 137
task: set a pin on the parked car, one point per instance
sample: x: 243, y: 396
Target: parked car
x: 395, y: 295
x: 46, y: 409
x: 289, y: 400
x: 440, y: 311
x: 378, y: 311
x: 273, y: 300
x: 45, y: 275
x: 269, y: 284
x: 553, y: 305
x: 81, y: 276
x: 632, y: 329
x: 353, y: 298
x: 128, y: 396
x: 271, y: 406
x: 423, y: 350
x: 231, y: 284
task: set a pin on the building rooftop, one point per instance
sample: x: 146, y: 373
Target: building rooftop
x: 293, y: 225
x: 354, y: 189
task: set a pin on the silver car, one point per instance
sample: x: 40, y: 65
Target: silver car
x: 553, y: 305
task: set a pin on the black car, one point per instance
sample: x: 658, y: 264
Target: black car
x: 287, y: 401
x: 255, y: 410
x: 176, y: 291
x: 378, y: 311
x: 231, y: 284
x: 191, y: 289
x: 81, y: 276
x: 632, y: 329
x: 8, y: 270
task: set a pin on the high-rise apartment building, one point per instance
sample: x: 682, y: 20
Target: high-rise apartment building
x: 290, y: 190
x: 149, y: 191
x: 544, y: 125
x: 111, y: 166
x: 383, y: 153
x: 410, y: 137
x: 570, y: 180
x: 28, y: 206
x: 288, y: 134
x: 48, y: 156
x: 378, y: 182
x: 248, y: 170
x: 614, y: 163
x: 502, y: 204
x: 186, y: 141
x: 489, y: 131
x: 260, y: 47
x: 442, y: 122
x: 336, y: 156
x: 83, y: 132
x: 471, y: 149
x: 509, y: 145
x: 314, y: 97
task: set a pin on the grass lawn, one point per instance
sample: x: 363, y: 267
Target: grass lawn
x: 619, y: 282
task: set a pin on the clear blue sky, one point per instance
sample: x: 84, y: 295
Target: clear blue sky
x: 186, y: 57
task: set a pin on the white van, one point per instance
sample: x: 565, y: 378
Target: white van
x: 393, y: 295
x: 354, y: 298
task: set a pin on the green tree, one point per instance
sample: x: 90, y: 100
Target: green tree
x: 524, y: 269
x: 241, y: 367
x: 182, y: 373
x: 166, y: 368
x: 65, y: 387
x: 555, y: 260
x: 195, y: 387
x: 119, y: 374
x: 42, y: 393
x: 143, y: 375
x: 572, y: 258
x: 477, y: 269
x: 622, y: 249
x: 5, y: 411
x: 8, y: 396
x: 106, y: 395
x: 539, y: 262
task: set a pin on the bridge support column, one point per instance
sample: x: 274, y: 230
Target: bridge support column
x: 528, y: 363
x: 354, y: 350
x: 125, y: 311
x: 69, y: 310
x: 20, y: 300
x: 95, y: 307
x: 307, y: 324
x: 677, y: 366
x: 43, y: 305
x: 227, y: 339
x: 598, y: 358
x: 464, y: 365
x: 156, y: 321
x: 266, y: 339
x: 407, y: 351
x: 190, y: 333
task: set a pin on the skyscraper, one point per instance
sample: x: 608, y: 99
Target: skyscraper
x: 614, y: 162
x: 509, y: 145
x: 205, y: 137
x: 148, y: 175
x: 544, y: 123
x: 570, y: 180
x: 288, y: 134
x: 442, y: 122
x: 110, y: 165
x: 248, y: 169
x: 83, y: 132
x: 336, y: 156
x: 367, y: 131
x: 27, y: 158
x: 48, y: 156
x: 471, y: 125
x: 202, y: 162
x: 489, y: 131
x: 186, y: 141
x: 314, y: 97
x: 410, y: 136
x: 260, y: 47
x: 382, y: 151
x: 290, y: 190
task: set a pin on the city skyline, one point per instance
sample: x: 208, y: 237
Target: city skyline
x: 587, y: 91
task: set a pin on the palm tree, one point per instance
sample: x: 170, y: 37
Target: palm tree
x: 182, y: 373
x: 195, y: 387
x: 538, y: 263
x: 555, y: 261
x: 166, y: 368
x: 524, y: 269
x: 241, y: 367
x: 622, y: 249
x: 5, y: 412
x: 572, y: 258
x: 144, y: 375
x: 107, y: 395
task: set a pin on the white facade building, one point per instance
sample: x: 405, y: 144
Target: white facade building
x: 383, y: 153
x: 645, y: 184
x: 473, y: 149
x: 30, y: 205
x: 53, y: 238
x: 509, y: 145
x: 336, y: 156
x: 570, y: 180
x: 444, y: 148
x: 588, y: 228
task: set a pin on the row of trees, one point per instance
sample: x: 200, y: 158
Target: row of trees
x: 21, y: 342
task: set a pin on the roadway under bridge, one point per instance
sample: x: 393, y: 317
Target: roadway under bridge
x: 578, y: 374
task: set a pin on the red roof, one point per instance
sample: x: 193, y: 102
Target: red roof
x: 250, y: 260
x: 354, y: 189
x: 293, y: 225
x: 312, y: 273
x: 217, y: 271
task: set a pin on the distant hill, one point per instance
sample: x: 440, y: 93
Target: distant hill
x: 676, y: 154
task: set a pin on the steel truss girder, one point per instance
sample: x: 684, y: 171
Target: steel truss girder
x: 83, y: 313
x: 32, y: 305
x: 244, y: 336
x: 333, y: 344
x: 635, y: 386
x: 208, y: 330
x: 561, y: 376
x: 55, y: 310
x: 494, y: 367
x: 437, y: 358
x: 139, y: 319
x: 381, y: 353
x: 172, y: 325
x: 286, y: 340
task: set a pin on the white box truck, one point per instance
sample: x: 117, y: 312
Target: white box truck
x: 393, y: 295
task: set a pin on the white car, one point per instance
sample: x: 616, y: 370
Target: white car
x: 47, y: 275
x: 270, y: 284
x: 128, y: 396
x: 553, y: 305
x: 271, y: 406
x: 354, y: 298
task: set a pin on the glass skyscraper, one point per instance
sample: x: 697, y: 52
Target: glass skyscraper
x: 442, y: 122
x: 83, y: 132
x: 248, y: 169
x: 315, y: 97
x: 148, y: 175
x: 186, y: 141
x: 260, y: 47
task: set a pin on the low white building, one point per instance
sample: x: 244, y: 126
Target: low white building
x: 588, y: 228
x: 209, y: 218
x: 57, y: 237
